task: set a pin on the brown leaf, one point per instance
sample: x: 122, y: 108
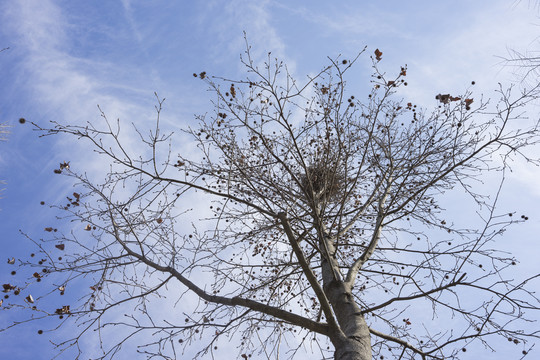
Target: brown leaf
x: 49, y: 229
x: 60, y: 246
x: 11, y: 261
x: 468, y: 102
x: 88, y: 227
x: 30, y: 299
x: 36, y: 275
x: 8, y: 287
x: 63, y: 310
x: 378, y: 54
x: 159, y: 220
x: 76, y: 195
x: 443, y: 98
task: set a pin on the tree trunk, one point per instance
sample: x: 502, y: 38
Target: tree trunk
x: 356, y: 345
x: 353, y: 342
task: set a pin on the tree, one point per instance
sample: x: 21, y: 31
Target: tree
x: 326, y: 222
x: 525, y: 62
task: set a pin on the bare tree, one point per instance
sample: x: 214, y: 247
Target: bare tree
x: 325, y: 225
x: 526, y: 62
x: 526, y: 65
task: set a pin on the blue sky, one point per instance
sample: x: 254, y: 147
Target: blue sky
x: 66, y: 57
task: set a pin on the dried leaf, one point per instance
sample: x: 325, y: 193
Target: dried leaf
x: 378, y: 54
x: 11, y: 261
x: 443, y: 98
x: 88, y: 227
x: 49, y: 229
x: 30, y: 299
x: 8, y: 287
x: 60, y: 246
x: 63, y: 310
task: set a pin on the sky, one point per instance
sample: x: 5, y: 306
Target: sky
x: 65, y: 58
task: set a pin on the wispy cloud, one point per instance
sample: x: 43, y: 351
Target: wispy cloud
x: 66, y: 85
x: 257, y: 19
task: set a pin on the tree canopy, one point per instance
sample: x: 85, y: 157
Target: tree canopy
x: 303, y: 219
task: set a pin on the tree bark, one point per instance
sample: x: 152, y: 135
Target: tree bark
x: 353, y: 342
x: 356, y: 344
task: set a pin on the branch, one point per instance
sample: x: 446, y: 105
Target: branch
x: 357, y: 265
x: 325, y: 304
x: 411, y: 297
x: 399, y: 341
x: 234, y: 301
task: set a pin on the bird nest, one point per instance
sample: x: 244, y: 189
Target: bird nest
x: 322, y: 182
